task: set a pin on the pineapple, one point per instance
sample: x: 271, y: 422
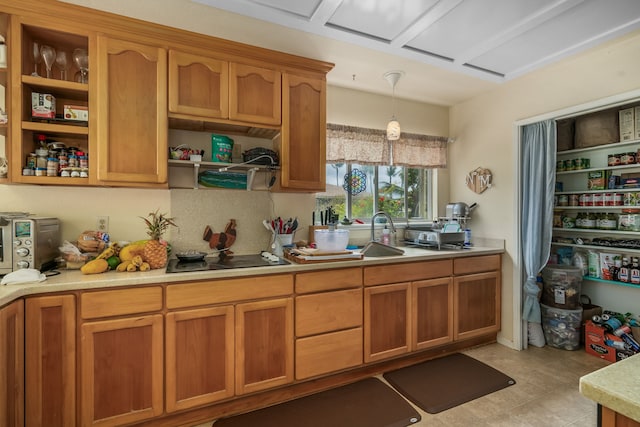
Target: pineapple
x: 155, y: 251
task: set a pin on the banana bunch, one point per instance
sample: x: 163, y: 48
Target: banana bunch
x: 112, y: 250
x: 134, y: 264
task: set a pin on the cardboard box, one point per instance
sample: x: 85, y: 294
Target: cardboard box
x: 594, y: 343
x: 76, y: 112
x: 598, y: 180
x: 599, y: 128
x: 627, y: 123
x: 43, y: 105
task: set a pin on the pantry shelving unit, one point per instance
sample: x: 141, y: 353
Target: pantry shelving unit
x: 575, y: 182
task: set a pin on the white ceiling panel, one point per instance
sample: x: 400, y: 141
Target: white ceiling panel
x: 303, y: 8
x: 472, y: 23
x: 381, y: 19
x: 581, y: 26
x: 476, y: 43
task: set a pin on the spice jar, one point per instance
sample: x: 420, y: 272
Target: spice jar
x: 52, y: 166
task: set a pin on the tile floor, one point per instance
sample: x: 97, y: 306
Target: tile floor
x: 545, y: 394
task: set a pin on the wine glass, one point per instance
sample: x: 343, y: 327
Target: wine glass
x: 35, y: 51
x: 81, y: 59
x: 62, y: 63
x: 49, y: 56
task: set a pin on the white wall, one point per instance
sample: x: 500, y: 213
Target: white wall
x: 484, y: 128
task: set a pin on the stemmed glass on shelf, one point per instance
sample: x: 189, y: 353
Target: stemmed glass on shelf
x: 81, y: 59
x: 62, y: 63
x: 37, y: 58
x: 49, y: 56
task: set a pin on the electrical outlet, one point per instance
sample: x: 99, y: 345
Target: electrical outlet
x: 102, y: 224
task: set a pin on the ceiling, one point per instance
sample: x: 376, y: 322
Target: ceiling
x: 449, y: 50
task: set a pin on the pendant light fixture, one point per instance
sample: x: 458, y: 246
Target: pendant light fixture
x: 393, y: 127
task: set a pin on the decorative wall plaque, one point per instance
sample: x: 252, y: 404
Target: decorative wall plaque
x: 479, y: 180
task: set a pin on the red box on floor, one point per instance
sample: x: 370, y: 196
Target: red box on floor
x: 594, y: 337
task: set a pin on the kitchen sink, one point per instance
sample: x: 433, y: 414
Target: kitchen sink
x: 377, y: 249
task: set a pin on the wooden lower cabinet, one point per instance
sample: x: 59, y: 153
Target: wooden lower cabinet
x: 476, y: 304
x: 387, y: 321
x: 329, y: 332
x: 122, y: 376
x: 50, y: 361
x: 264, y: 344
x: 432, y: 312
x: 610, y: 418
x: 12, y: 365
x: 200, y: 357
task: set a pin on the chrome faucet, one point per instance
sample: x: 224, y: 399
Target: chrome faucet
x: 373, y: 224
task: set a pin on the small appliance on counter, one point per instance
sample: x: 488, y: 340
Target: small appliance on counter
x: 458, y: 212
x: 28, y: 242
x: 434, y: 237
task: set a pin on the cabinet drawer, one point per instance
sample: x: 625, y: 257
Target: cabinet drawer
x: 328, y: 353
x: 330, y: 311
x: 407, y: 272
x: 476, y: 264
x: 328, y: 280
x: 191, y: 294
x: 120, y: 302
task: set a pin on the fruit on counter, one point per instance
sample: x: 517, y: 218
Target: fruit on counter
x: 95, y: 266
x: 129, y: 251
x: 135, y: 264
x: 112, y: 250
x: 155, y: 250
x: 113, y: 262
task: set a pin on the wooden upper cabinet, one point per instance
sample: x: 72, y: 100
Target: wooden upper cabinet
x: 132, y: 107
x: 302, y: 145
x: 254, y: 94
x: 198, y: 85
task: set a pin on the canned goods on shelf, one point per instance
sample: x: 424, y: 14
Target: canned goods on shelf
x: 563, y: 200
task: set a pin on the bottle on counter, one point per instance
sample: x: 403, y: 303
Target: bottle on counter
x: 386, y: 236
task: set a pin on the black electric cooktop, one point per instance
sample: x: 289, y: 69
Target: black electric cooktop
x: 222, y: 263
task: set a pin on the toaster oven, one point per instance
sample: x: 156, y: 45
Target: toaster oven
x: 28, y: 242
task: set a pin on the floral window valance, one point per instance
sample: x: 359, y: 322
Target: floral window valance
x: 351, y: 144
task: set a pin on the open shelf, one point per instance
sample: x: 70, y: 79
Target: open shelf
x: 197, y: 166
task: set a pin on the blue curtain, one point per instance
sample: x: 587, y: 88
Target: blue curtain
x: 538, y: 185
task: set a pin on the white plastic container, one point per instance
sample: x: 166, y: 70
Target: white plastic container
x: 331, y: 240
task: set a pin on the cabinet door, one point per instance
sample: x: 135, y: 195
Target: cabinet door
x: 264, y: 344
x: 132, y: 107
x: 432, y: 312
x: 122, y: 374
x: 302, y: 146
x: 254, y: 94
x: 200, y: 357
x: 50, y: 367
x: 12, y: 365
x: 476, y: 304
x: 198, y: 85
x: 387, y: 321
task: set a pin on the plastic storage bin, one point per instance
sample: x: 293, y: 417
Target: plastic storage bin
x: 331, y: 240
x: 561, y: 327
x: 561, y: 286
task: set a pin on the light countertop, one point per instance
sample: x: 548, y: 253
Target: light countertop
x: 71, y: 280
x: 616, y: 387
